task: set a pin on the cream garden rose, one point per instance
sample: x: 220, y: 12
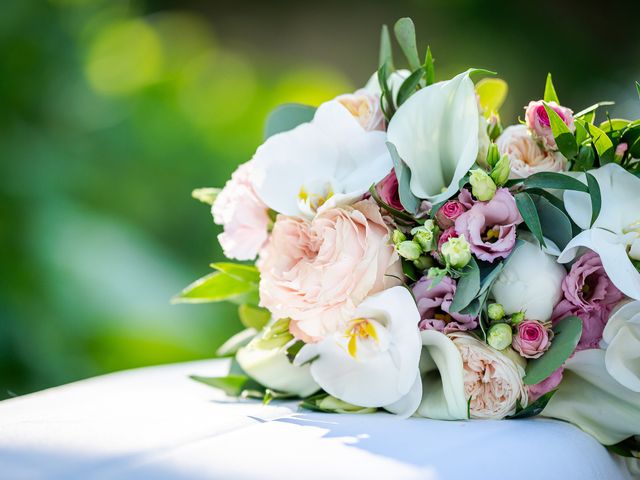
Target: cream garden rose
x: 317, y: 272
x: 526, y: 155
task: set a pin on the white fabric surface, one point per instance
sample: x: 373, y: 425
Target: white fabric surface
x: 155, y: 423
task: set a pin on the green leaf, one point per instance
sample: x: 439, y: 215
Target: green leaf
x: 565, y: 140
x: 550, y: 94
x: 614, y: 124
x: 286, y: 117
x: 585, y: 159
x: 236, y: 342
x: 245, y: 273
x: 386, y: 98
x: 386, y: 54
x: 527, y: 209
x: 555, y: 180
x: 581, y: 130
x: 293, y: 350
x: 626, y: 448
x: 323, y: 402
x: 253, y: 317
x: 638, y: 87
x: 217, y: 287
x: 410, y: 86
x: 555, y: 224
x: 409, y: 270
x: 596, y: 199
x: 206, y: 195
x: 406, y: 35
x: 567, y: 334
x: 534, y: 408
x: 232, y: 385
x: 492, y: 93
x: 429, y: 66
x: 602, y: 144
x: 591, y: 109
x: 409, y: 201
x: 468, y: 286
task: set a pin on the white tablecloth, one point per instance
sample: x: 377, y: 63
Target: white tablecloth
x: 155, y: 423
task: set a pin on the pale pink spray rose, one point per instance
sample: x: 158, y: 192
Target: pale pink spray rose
x: 590, y: 295
x: 388, y: 191
x: 448, y: 213
x: 532, y: 339
x: 242, y: 214
x: 538, y: 122
x: 526, y: 157
x: 365, y: 107
x: 490, y: 227
x: 434, y: 306
x: 546, y: 385
x: 316, y: 272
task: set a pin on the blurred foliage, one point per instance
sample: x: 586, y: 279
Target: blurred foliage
x: 114, y: 110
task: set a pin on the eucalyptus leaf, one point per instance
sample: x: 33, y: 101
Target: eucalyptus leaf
x: 527, y: 209
x: 410, y: 86
x: 565, y: 139
x: 554, y: 180
x: 386, y: 54
x: 467, y: 288
x: 405, y: 32
x: 567, y: 334
x: 596, y: 199
x: 286, y: 117
x: 252, y: 316
x: 534, y: 408
x: 550, y: 94
x: 556, y: 225
x: 409, y: 201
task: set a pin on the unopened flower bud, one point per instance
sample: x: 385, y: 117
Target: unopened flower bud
x: 425, y: 236
x: 456, y: 252
x: 398, y: 237
x: 516, y: 318
x: 482, y: 186
x: 423, y: 263
x: 500, y: 336
x: 495, y: 311
x: 501, y: 170
x: 409, y: 250
x: 493, y: 155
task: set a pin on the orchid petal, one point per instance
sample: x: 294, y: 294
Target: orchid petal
x: 436, y: 134
x: 407, y: 405
x: 622, y: 336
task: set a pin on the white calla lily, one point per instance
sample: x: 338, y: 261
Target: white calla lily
x: 374, y: 362
x: 621, y: 340
x: 436, y: 133
x: 329, y: 161
x: 615, y: 235
x: 592, y: 399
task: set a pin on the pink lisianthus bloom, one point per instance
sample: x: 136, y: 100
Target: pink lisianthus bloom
x: 590, y: 295
x: 490, y: 227
x: 466, y: 199
x: 365, y: 107
x: 448, y: 213
x: 434, y: 304
x: 546, y: 385
x: 388, y: 191
x: 243, y: 215
x: 538, y: 122
x: 532, y: 339
x: 316, y: 272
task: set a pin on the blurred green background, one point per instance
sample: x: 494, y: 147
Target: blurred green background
x: 112, y: 111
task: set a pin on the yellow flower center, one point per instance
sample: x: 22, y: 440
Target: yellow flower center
x: 314, y: 200
x: 359, y: 329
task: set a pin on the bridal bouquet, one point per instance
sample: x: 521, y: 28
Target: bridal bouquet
x: 414, y: 255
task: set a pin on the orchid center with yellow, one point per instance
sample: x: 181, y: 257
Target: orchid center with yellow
x: 364, y: 335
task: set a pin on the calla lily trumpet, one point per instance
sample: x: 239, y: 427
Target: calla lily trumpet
x: 621, y: 340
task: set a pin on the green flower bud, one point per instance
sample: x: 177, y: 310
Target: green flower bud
x: 456, y: 252
x: 493, y: 155
x: 425, y: 235
x: 409, y: 250
x: 500, y: 172
x: 495, y: 311
x: 517, y: 318
x: 397, y: 237
x: 500, y: 336
x: 275, y: 335
x: 424, y: 262
x: 482, y: 186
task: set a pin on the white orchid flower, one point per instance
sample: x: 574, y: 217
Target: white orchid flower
x: 329, y: 161
x: 592, y: 399
x: 268, y: 364
x: 374, y: 361
x: 615, y: 235
x: 436, y: 133
x: 621, y: 340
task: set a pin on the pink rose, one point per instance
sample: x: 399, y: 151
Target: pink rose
x: 447, y: 214
x: 538, y: 122
x: 546, y: 385
x: 590, y: 295
x: 490, y: 227
x: 388, y: 191
x: 365, y: 107
x: 434, y: 303
x: 525, y: 155
x: 242, y: 214
x: 317, y: 272
x: 532, y: 339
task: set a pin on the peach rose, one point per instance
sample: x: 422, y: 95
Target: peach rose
x: 242, y: 214
x: 492, y: 381
x: 317, y: 272
x: 365, y: 107
x: 525, y: 154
